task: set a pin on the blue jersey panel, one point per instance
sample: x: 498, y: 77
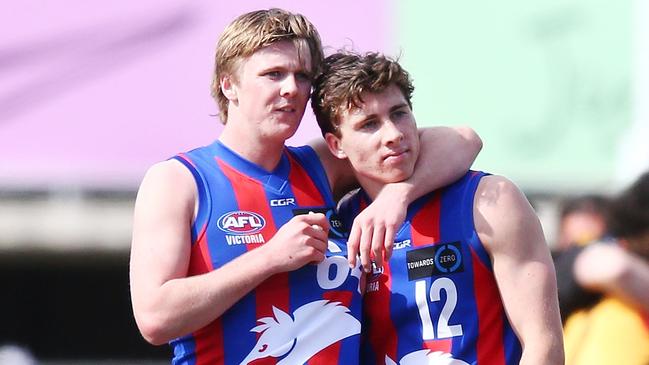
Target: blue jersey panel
x: 431, y: 302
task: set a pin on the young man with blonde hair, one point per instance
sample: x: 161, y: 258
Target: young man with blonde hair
x: 237, y: 256
x: 470, y: 280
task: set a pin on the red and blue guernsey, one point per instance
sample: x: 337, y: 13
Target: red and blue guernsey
x: 308, y: 316
x: 436, y: 301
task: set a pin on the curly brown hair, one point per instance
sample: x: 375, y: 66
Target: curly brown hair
x: 345, y: 77
x: 255, y: 30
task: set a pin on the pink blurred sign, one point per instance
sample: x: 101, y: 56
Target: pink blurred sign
x: 92, y: 93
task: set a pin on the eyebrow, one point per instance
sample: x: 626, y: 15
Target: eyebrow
x: 399, y: 106
x: 372, y: 116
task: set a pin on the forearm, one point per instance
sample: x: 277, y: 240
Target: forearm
x: 535, y: 315
x: 635, y: 284
x: 446, y: 154
x: 611, y: 270
x: 541, y: 336
x: 543, y: 353
x: 183, y: 305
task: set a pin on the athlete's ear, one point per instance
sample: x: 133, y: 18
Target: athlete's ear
x: 229, y: 88
x: 335, y: 146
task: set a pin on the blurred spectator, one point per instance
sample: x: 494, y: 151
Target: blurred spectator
x: 615, y: 329
x: 582, y: 220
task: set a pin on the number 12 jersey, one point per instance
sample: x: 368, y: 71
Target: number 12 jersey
x: 437, y: 297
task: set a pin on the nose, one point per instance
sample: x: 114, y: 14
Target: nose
x: 392, y: 133
x: 289, y: 86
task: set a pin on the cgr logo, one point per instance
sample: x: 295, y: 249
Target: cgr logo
x: 401, y: 244
x: 241, y: 222
x: 282, y: 202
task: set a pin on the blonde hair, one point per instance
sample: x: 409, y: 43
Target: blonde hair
x: 255, y: 30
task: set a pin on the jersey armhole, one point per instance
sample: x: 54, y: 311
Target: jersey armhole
x: 468, y: 201
x: 204, y: 204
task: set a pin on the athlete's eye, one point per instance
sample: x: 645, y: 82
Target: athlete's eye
x: 263, y: 348
x: 273, y: 74
x: 399, y: 113
x: 369, y: 125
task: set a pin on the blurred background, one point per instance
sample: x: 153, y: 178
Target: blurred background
x: 94, y: 92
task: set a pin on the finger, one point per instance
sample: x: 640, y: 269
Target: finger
x: 353, y: 243
x: 316, y: 232
x: 365, y: 248
x: 317, y: 227
x: 316, y: 257
x: 378, y: 239
x: 388, y: 243
x: 320, y: 244
x: 318, y: 219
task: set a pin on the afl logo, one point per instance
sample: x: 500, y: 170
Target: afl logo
x: 241, y: 222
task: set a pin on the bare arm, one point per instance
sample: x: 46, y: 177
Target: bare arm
x: 610, y: 269
x: 511, y: 232
x: 166, y: 302
x: 446, y: 154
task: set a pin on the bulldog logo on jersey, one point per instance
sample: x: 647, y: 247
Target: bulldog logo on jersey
x: 295, y: 339
x: 439, y: 259
x: 426, y: 357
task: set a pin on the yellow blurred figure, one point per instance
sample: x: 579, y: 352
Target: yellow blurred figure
x: 592, y: 337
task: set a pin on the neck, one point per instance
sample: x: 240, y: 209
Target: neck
x: 371, y: 188
x: 254, y: 148
x: 400, y: 192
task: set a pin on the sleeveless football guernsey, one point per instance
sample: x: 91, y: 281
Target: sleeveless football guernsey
x: 437, y: 297
x: 308, y: 316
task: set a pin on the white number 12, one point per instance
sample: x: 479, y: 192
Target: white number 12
x: 444, y: 330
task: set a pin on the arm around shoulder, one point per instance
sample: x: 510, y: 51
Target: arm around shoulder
x: 511, y: 232
x: 446, y: 155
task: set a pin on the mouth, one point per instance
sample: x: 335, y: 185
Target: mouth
x: 396, y: 156
x: 286, y: 109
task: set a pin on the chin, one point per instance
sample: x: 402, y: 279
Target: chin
x: 288, y: 129
x: 396, y: 177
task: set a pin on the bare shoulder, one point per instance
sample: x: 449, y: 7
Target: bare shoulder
x: 169, y: 173
x: 170, y: 170
x: 164, y: 209
x: 167, y: 183
x: 492, y: 189
x: 497, y: 195
x: 502, y: 213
